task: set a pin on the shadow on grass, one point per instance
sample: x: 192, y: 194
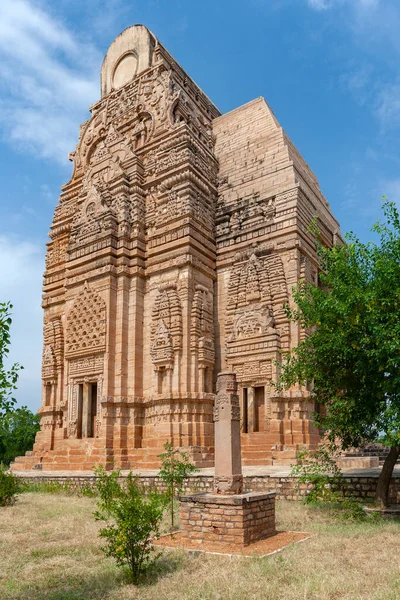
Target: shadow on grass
x: 168, y: 563
x: 92, y: 587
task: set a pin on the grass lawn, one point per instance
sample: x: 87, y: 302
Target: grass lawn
x: 49, y: 549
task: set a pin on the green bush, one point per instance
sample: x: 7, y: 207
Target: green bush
x: 9, y: 488
x: 319, y: 471
x: 132, y: 518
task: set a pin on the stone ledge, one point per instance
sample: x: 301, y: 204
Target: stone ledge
x: 231, y: 500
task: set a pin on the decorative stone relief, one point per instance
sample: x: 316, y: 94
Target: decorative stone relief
x: 56, y: 253
x: 86, y: 324
x: 166, y: 328
x: 257, y: 293
x: 53, y: 348
x: 248, y: 212
x: 202, y: 325
x: 94, y: 217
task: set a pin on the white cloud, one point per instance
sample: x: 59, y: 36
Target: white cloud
x: 21, y: 269
x: 374, y: 82
x: 388, y: 106
x: 391, y: 189
x: 357, y: 4
x: 50, y: 77
x: 319, y: 4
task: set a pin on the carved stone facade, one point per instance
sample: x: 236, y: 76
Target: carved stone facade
x: 173, y: 251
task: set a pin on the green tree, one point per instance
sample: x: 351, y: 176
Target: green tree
x: 175, y: 468
x: 132, y: 519
x: 8, y: 377
x: 18, y: 429
x: 351, y: 352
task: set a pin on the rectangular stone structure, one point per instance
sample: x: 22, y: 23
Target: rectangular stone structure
x: 237, y: 520
x: 228, y: 477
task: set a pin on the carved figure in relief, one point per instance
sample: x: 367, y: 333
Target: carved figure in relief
x: 166, y: 328
x: 162, y: 347
x: 139, y: 134
x: 202, y: 325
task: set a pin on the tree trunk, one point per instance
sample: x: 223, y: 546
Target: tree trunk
x: 172, y: 508
x: 382, y: 489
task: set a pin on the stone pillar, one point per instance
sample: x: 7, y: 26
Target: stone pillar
x: 228, y: 477
x: 250, y: 409
x: 85, y: 410
x: 202, y: 387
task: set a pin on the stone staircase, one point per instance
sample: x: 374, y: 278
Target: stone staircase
x: 255, y: 449
x: 75, y: 458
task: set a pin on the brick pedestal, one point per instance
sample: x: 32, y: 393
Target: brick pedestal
x: 236, y: 520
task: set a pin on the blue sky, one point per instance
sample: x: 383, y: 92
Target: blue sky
x: 328, y: 68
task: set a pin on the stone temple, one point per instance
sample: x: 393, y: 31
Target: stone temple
x: 173, y: 250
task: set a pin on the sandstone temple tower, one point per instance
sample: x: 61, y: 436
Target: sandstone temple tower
x: 173, y: 250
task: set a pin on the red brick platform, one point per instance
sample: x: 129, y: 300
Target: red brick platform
x: 237, y: 520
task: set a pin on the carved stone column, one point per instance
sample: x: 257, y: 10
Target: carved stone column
x: 85, y: 409
x: 250, y: 409
x: 228, y: 477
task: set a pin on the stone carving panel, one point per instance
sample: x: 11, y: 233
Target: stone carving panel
x: 86, y: 324
x: 53, y: 348
x: 247, y: 213
x: 94, y: 217
x: 166, y: 328
x: 257, y: 293
x: 202, y: 325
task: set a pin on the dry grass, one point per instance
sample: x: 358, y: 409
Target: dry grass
x: 49, y: 550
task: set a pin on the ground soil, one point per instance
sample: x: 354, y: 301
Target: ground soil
x: 270, y: 545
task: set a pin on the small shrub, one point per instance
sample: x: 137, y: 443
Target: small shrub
x: 175, y: 468
x: 132, y: 519
x: 349, y: 509
x: 319, y: 469
x: 47, y: 487
x: 9, y: 488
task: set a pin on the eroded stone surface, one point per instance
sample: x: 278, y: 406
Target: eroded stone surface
x: 228, y: 477
x: 173, y: 250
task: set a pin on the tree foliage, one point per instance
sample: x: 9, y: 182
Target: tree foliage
x: 18, y: 429
x: 132, y: 519
x: 351, y: 352
x: 8, y: 377
x: 9, y: 488
x: 175, y: 468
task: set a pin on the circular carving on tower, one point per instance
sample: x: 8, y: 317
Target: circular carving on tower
x: 125, y: 70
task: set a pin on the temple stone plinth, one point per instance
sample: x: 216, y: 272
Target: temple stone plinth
x: 228, y: 516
